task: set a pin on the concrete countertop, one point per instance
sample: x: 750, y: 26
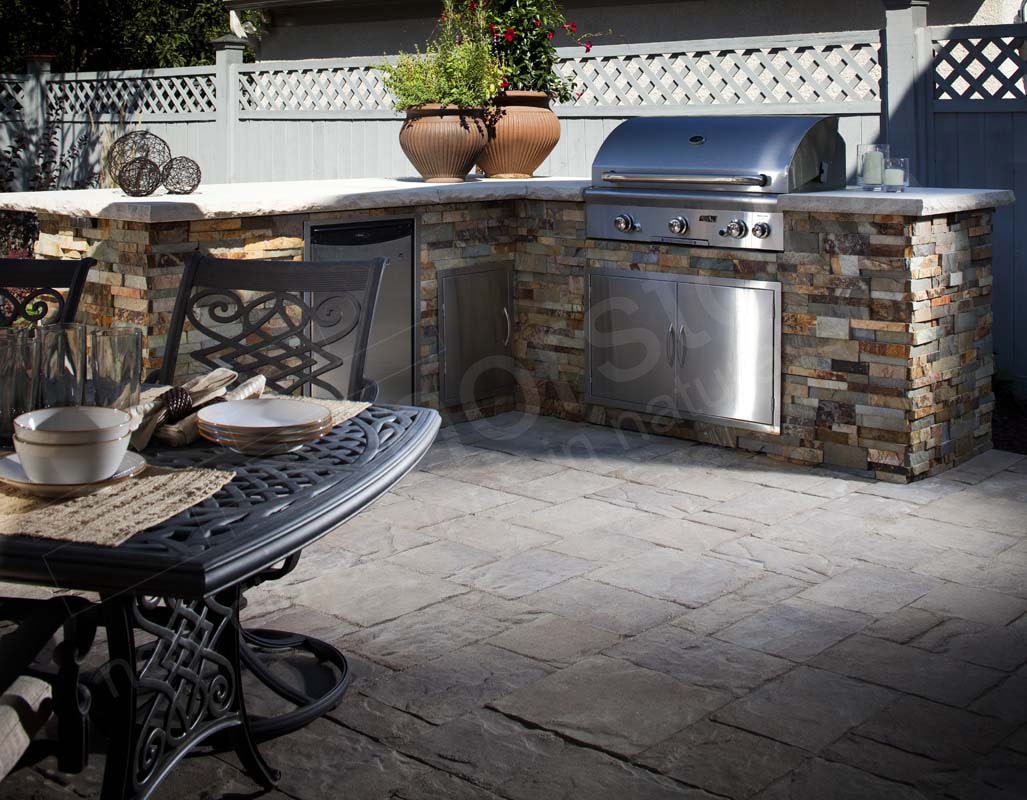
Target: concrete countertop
x: 914, y: 202
x: 218, y: 200
x: 311, y: 196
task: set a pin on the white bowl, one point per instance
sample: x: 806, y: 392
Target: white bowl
x: 66, y: 464
x: 72, y: 425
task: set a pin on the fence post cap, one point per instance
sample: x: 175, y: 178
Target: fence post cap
x: 229, y: 42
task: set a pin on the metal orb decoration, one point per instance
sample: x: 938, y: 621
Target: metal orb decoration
x: 137, y: 144
x: 181, y: 175
x: 139, y: 177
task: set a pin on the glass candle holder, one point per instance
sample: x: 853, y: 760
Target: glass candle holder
x: 116, y: 357
x: 870, y: 160
x: 896, y: 174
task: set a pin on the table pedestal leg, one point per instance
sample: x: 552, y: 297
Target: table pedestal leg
x: 175, y: 691
x: 309, y: 707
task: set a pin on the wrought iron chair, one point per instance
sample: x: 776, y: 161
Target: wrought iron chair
x: 295, y: 322
x: 298, y: 324
x: 40, y: 281
x: 31, y: 690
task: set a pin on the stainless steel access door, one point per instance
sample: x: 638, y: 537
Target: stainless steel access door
x: 632, y: 336
x: 726, y: 348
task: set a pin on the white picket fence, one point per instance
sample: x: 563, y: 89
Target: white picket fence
x: 334, y: 118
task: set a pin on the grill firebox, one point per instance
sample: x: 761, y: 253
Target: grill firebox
x: 709, y: 181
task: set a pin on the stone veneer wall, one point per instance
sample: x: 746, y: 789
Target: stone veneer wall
x: 140, y: 266
x: 886, y: 345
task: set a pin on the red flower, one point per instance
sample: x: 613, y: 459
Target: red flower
x: 504, y: 84
x: 587, y: 46
x: 510, y: 34
x: 572, y: 27
x: 538, y: 23
x: 492, y: 29
x: 472, y: 5
x: 549, y: 35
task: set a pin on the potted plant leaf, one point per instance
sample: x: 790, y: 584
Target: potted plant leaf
x: 523, y: 129
x: 444, y: 91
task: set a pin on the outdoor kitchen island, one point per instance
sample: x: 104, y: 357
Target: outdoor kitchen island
x: 885, y: 359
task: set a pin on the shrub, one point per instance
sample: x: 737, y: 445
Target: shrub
x: 458, y: 68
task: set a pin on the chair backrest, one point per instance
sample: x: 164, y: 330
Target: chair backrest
x: 295, y: 322
x: 29, y: 289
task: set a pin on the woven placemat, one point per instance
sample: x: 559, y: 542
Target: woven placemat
x: 112, y: 515
x: 342, y: 410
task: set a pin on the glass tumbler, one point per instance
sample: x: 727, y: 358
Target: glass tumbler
x: 62, y: 364
x: 116, y: 358
x: 19, y: 373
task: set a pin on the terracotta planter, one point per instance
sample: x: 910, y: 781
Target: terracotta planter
x: 522, y: 132
x: 443, y: 142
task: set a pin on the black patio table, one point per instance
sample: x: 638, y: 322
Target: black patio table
x: 181, y: 585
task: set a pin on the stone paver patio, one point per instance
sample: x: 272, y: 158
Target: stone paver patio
x: 550, y: 610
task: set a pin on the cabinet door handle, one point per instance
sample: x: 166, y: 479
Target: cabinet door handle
x: 509, y: 327
x: 683, y: 350
x: 670, y: 345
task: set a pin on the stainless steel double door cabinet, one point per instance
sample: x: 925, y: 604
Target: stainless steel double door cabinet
x: 702, y: 348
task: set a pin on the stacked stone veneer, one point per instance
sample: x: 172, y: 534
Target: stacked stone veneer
x: 886, y: 345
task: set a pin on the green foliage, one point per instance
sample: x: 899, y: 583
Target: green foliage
x: 457, y: 68
x: 524, y: 35
x: 111, y: 34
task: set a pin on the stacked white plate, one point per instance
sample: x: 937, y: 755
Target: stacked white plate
x: 266, y: 426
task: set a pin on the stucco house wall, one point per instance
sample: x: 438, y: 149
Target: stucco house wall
x: 338, y: 28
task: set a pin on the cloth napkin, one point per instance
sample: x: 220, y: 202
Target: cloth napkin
x: 151, y: 413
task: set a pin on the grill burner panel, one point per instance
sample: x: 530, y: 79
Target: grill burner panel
x: 658, y: 218
x: 709, y: 181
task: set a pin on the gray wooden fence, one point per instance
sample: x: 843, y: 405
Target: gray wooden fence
x: 953, y: 99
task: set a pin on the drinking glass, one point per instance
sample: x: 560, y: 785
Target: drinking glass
x: 116, y: 358
x: 18, y: 377
x: 62, y: 364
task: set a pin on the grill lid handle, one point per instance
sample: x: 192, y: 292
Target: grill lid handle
x: 687, y: 179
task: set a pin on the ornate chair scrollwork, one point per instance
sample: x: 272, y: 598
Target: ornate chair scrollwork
x: 30, y: 289
x: 303, y: 325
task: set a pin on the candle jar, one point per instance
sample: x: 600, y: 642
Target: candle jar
x: 896, y: 174
x: 870, y: 160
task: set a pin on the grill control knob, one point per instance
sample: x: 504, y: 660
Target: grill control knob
x: 735, y: 229
x: 625, y: 223
x: 761, y: 230
x: 678, y: 226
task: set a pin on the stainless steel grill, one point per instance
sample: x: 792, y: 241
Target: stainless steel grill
x: 709, y: 181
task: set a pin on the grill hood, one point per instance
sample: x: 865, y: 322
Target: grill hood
x: 750, y: 154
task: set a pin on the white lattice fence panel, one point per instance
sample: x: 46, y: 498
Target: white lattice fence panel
x: 12, y: 97
x: 133, y: 95
x: 350, y: 88
x: 798, y: 74
x: 993, y: 68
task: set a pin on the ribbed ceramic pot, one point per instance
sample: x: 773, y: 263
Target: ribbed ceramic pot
x: 522, y: 133
x: 443, y: 142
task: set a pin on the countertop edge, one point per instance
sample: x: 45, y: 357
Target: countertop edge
x: 221, y: 201
x: 914, y: 203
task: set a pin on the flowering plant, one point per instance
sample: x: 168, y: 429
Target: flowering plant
x: 457, y: 68
x: 523, y: 36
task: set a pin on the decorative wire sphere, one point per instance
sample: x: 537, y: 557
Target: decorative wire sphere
x: 139, y: 177
x: 137, y: 144
x: 181, y: 175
